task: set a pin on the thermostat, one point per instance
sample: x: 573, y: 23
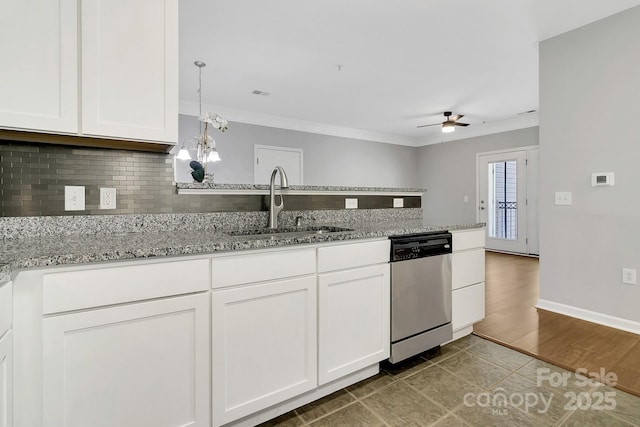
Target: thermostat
x: 602, y: 178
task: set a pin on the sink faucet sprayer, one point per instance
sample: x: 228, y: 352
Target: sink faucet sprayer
x: 274, y: 209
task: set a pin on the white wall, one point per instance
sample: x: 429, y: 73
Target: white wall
x: 589, y: 104
x: 328, y: 160
x: 448, y: 171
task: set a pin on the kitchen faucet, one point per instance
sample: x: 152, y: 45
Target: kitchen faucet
x: 274, y: 209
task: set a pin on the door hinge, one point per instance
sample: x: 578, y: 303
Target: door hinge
x: 257, y: 160
x: 526, y: 240
x: 526, y: 162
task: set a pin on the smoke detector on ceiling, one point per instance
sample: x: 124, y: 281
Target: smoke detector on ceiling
x: 260, y: 92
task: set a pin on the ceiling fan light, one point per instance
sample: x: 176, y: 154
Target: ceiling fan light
x: 447, y: 128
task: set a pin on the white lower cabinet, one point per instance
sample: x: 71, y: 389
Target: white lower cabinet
x: 6, y: 383
x: 467, y: 306
x: 353, y: 311
x: 141, y: 364
x: 264, y: 345
x: 467, y: 276
x: 6, y: 356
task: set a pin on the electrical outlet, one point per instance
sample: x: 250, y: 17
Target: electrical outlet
x: 73, y: 198
x: 563, y: 197
x: 629, y: 276
x: 398, y: 203
x: 107, y: 198
x: 351, y: 203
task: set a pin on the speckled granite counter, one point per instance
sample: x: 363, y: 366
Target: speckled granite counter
x: 55, y: 250
x: 243, y: 187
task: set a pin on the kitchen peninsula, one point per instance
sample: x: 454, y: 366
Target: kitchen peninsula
x: 186, y: 313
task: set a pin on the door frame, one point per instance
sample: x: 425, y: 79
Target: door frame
x: 258, y: 147
x: 530, y: 230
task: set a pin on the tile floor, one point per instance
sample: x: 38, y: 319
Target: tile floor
x: 471, y: 382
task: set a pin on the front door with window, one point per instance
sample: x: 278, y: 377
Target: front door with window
x: 502, y: 200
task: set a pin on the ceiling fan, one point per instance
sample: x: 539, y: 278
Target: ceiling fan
x: 450, y: 123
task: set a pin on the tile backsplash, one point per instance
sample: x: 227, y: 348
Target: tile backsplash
x: 33, y: 177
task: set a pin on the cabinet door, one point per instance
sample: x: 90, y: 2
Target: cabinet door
x: 467, y: 268
x: 38, y: 69
x: 6, y: 387
x: 130, y: 69
x: 264, y: 346
x: 143, y: 364
x: 353, y: 320
x: 467, y: 306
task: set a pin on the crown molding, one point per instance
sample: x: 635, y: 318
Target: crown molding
x: 476, y: 129
x: 253, y: 118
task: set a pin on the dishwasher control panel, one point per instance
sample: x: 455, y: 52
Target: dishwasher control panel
x: 414, y: 246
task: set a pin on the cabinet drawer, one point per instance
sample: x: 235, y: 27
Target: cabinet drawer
x: 352, y: 255
x: 5, y: 308
x: 257, y: 267
x: 467, y: 268
x: 468, y: 239
x: 94, y: 287
x: 467, y: 306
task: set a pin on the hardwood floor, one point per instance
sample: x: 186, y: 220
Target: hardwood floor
x: 512, y: 320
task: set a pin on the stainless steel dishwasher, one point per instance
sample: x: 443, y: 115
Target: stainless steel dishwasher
x: 420, y: 293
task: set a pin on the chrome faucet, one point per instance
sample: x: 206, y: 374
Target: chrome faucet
x: 274, y: 209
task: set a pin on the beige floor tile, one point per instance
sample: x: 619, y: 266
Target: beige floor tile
x: 400, y: 405
x: 450, y: 421
x: 325, y: 405
x: 353, y: 416
x: 466, y: 342
x: 627, y: 405
x: 474, y: 369
x: 532, y: 369
x: 406, y: 367
x: 371, y: 385
x: 592, y: 418
x: 500, y: 355
x: 544, y: 405
x: 481, y: 417
x: 441, y: 353
x: 441, y: 386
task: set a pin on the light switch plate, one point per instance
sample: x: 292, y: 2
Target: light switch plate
x: 398, y: 202
x: 351, y: 203
x: 73, y: 198
x: 107, y: 198
x: 563, y: 198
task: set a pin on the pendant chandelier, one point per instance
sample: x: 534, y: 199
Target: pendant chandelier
x: 204, y: 144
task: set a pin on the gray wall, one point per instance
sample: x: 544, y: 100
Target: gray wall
x: 328, y: 160
x: 448, y: 171
x: 589, y: 104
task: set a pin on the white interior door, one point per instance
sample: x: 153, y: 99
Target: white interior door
x: 502, y: 200
x: 267, y: 157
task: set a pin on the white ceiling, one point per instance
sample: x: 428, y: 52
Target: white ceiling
x: 374, y: 69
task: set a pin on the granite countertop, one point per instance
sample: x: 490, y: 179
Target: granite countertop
x: 46, y: 251
x: 241, y: 187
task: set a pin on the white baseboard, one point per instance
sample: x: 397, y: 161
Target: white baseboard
x: 590, y: 316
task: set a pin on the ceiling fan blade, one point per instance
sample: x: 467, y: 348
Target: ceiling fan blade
x: 456, y: 117
x: 460, y: 124
x: 433, y: 124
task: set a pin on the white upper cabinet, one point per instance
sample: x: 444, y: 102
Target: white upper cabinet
x: 105, y: 68
x: 38, y: 69
x: 130, y: 69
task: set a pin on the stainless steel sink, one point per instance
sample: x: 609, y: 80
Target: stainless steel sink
x: 322, y: 229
